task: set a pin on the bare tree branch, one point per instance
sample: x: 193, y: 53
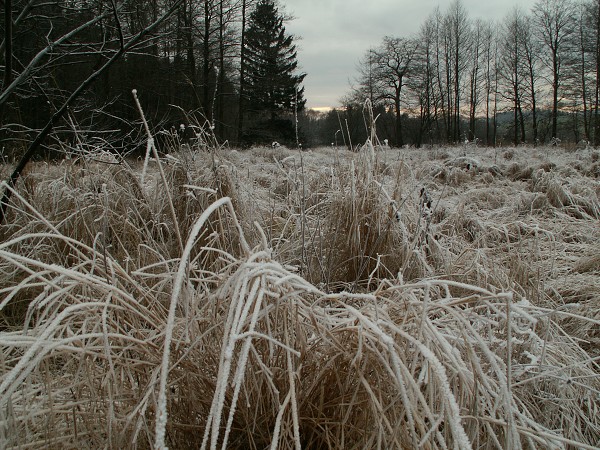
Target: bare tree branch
x: 23, y: 76
x: 54, y: 120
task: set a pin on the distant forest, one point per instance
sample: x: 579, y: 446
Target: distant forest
x: 532, y: 78
x: 227, y: 70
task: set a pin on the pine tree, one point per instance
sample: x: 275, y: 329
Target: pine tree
x: 272, y: 88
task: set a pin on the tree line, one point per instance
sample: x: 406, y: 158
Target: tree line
x: 533, y: 77
x: 226, y: 66
x: 230, y: 67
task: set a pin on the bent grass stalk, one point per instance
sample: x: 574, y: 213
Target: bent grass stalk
x: 161, y: 421
x: 151, y: 146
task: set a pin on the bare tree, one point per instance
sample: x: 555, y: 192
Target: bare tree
x: 440, y: 69
x: 475, y: 74
x: 9, y: 12
x: 538, y: 64
x: 424, y: 81
x: 520, y: 72
x: 556, y: 29
x: 512, y: 54
x: 581, y: 80
x: 490, y: 56
x: 446, y: 75
x: 366, y: 83
x: 460, y: 43
x: 531, y: 62
x: 393, y: 63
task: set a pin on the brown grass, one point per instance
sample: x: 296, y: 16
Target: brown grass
x: 317, y: 300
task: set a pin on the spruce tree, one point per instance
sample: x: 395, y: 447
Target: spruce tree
x: 271, y: 86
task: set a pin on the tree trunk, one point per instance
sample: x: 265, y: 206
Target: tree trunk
x: 399, y: 139
x: 555, y: 82
x: 473, y: 107
x: 457, y: 90
x: 221, y: 78
x: 515, y: 82
x: 426, y: 124
x: 487, y: 103
x: 495, y: 117
x: 586, y: 125
x: 488, y: 90
x: 8, y: 50
x: 596, y: 103
x: 521, y: 122
x: 450, y: 119
x: 8, y: 56
x: 240, y: 127
x: 191, y: 59
x: 516, y: 118
x: 442, y: 106
x: 534, y: 125
x: 206, y: 63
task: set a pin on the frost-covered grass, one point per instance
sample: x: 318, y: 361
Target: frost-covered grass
x: 414, y: 298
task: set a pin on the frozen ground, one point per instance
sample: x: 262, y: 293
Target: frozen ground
x: 431, y: 298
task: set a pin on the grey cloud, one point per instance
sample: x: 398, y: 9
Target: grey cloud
x: 334, y: 34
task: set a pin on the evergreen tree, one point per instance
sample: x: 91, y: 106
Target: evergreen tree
x: 272, y: 89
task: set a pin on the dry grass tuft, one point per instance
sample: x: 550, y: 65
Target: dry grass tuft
x: 562, y: 196
x: 517, y: 173
x: 590, y: 263
x: 360, y: 227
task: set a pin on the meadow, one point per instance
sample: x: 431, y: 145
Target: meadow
x: 275, y: 298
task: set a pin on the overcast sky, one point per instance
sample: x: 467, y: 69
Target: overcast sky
x: 334, y: 34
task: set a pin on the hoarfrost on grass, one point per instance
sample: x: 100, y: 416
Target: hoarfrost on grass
x: 279, y: 299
